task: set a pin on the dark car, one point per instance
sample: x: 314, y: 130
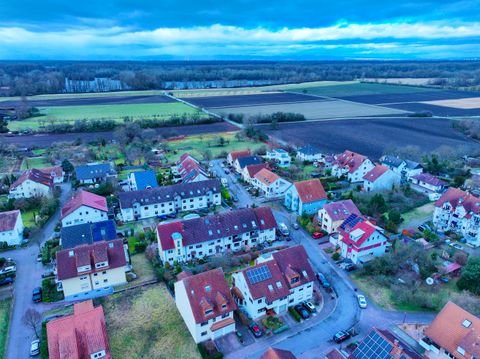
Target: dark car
x: 323, y: 281
x: 37, y: 295
x: 172, y: 215
x: 235, y: 198
x: 162, y: 217
x: 226, y: 171
x: 302, y: 311
x: 341, y: 336
x: 255, y: 329
x: 350, y: 267
x: 7, y: 280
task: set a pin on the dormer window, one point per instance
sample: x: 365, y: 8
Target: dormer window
x: 208, y: 311
x: 224, y: 306
x: 294, y: 280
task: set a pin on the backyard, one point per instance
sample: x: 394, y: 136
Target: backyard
x: 34, y: 162
x: 145, y: 323
x: 5, y: 306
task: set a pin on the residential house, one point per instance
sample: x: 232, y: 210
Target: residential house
x: 56, y: 172
x: 454, y: 333
x: 92, y: 173
x: 188, y: 169
x: 32, y: 183
x: 352, y: 165
x: 84, y: 207
x: 234, y: 155
x: 275, y: 353
x: 332, y: 215
x: 270, y: 184
x: 428, y: 184
x: 305, y: 197
x: 11, y: 227
x: 381, y: 178
x: 241, y: 162
x: 227, y: 231
x: 405, y: 168
x: 92, y: 270
x: 412, y: 168
x: 458, y: 211
x: 279, y: 156
x: 165, y: 200
x: 82, y: 334
x: 141, y: 180
x: 87, y: 233
x: 277, y: 281
x: 250, y: 171
x: 309, y: 153
x: 360, y: 240
x: 206, y: 305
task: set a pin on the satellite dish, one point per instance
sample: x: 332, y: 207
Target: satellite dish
x: 429, y: 281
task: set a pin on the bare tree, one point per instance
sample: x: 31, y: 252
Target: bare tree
x: 32, y: 319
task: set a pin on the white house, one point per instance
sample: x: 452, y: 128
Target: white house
x: 92, y: 173
x: 428, y: 184
x: 381, y: 178
x: 249, y: 172
x: 270, y: 184
x: 205, y: 236
x: 279, y: 156
x: 32, y: 183
x: 352, y: 165
x: 56, y: 172
x: 92, y: 270
x: 232, y: 156
x: 309, y: 153
x: 11, y: 227
x: 166, y: 200
x: 84, y: 207
x: 332, y: 215
x: 277, y: 281
x: 458, y: 211
x: 206, y: 305
x: 405, y: 168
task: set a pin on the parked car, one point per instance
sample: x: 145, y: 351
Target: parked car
x: 317, y: 235
x: 288, y: 238
x: 283, y: 229
x: 35, y: 347
x: 341, y: 336
x: 162, y: 217
x: 39, y: 258
x: 350, y: 267
x: 226, y: 171
x: 239, y: 336
x: 302, y: 311
x: 323, y: 281
x: 362, y: 301
x: 172, y: 215
x: 255, y: 329
x: 6, y: 281
x: 235, y: 198
x: 456, y: 245
x: 48, y: 274
x: 37, y: 295
x: 295, y: 226
x: 310, y: 307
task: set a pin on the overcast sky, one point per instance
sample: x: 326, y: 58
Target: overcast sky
x: 239, y: 29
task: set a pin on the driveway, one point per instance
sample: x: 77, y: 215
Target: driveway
x: 29, y: 276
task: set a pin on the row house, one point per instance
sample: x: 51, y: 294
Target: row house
x: 332, y: 215
x: 32, y: 183
x: 305, y: 197
x: 188, y: 169
x: 184, y: 240
x: 140, y: 180
x: 11, y: 227
x: 242, y: 162
x: 249, y: 172
x: 405, y: 168
x: 279, y: 156
x: 92, y: 173
x: 429, y: 185
x: 206, y: 305
x: 276, y: 282
x: 270, y: 184
x: 458, y: 211
x: 381, y: 178
x: 84, y: 207
x: 87, y: 233
x: 92, y: 270
x: 165, y: 200
x: 352, y: 165
x: 232, y: 156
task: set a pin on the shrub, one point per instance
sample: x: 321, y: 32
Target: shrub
x: 336, y: 256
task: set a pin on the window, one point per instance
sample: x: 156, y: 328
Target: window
x: 259, y: 301
x: 225, y: 315
x: 202, y: 324
x: 105, y: 280
x: 203, y: 334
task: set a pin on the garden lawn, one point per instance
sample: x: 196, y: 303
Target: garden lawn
x: 34, y: 162
x: 5, y: 306
x: 417, y: 216
x: 28, y: 218
x: 145, y: 323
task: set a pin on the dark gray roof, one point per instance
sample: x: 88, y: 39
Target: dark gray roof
x: 88, y: 233
x: 392, y: 161
x: 168, y: 193
x: 91, y: 171
x: 249, y: 160
x: 309, y: 150
x: 412, y: 165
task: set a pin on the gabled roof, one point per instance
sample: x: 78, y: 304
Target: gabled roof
x: 350, y: 160
x: 412, y: 165
x: 78, y: 335
x: 54, y: 171
x: 84, y: 198
x: 168, y: 193
x: 392, y: 161
x: 357, y: 234
x: 94, y: 170
x: 249, y: 160
x: 208, y: 291
x: 309, y: 150
x: 341, y: 210
x: 375, y: 173
x: 267, y: 177
x: 456, y: 197
x: 274, y: 353
x: 8, y: 220
x: 189, y: 168
x: 216, y: 226
x: 34, y: 175
x: 310, y: 190
x: 454, y: 327
x: 430, y: 179
x: 237, y: 154
x: 87, y: 233
x: 68, y: 260
x: 253, y: 169
x: 145, y: 179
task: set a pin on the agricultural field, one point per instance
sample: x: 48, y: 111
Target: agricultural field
x: 34, y: 162
x: 85, y: 95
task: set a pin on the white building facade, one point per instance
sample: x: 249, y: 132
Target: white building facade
x: 11, y: 227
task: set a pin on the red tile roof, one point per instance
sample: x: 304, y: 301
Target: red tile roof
x: 364, y: 226
x: 341, y: 210
x: 35, y: 176
x: 216, y: 226
x: 84, y: 198
x: 253, y: 169
x: 237, y: 154
x: 208, y: 291
x: 456, y: 197
x: 430, y: 179
x: 266, y: 176
x: 79, y: 335
x: 350, y: 160
x: 68, y: 260
x: 310, y: 190
x: 375, y: 173
x: 8, y: 220
x: 55, y: 171
x: 274, y: 353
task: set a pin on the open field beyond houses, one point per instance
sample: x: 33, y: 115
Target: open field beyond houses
x: 372, y: 136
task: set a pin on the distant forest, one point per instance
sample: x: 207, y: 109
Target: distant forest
x: 43, y: 77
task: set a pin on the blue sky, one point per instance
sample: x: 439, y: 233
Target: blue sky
x: 239, y: 29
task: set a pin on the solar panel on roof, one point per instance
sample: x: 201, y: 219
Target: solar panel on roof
x: 351, y: 221
x: 374, y: 346
x: 259, y: 274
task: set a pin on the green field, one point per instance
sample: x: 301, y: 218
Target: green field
x: 86, y: 95
x: 5, y: 306
x: 34, y: 162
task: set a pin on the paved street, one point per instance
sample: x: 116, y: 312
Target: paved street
x: 29, y: 276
